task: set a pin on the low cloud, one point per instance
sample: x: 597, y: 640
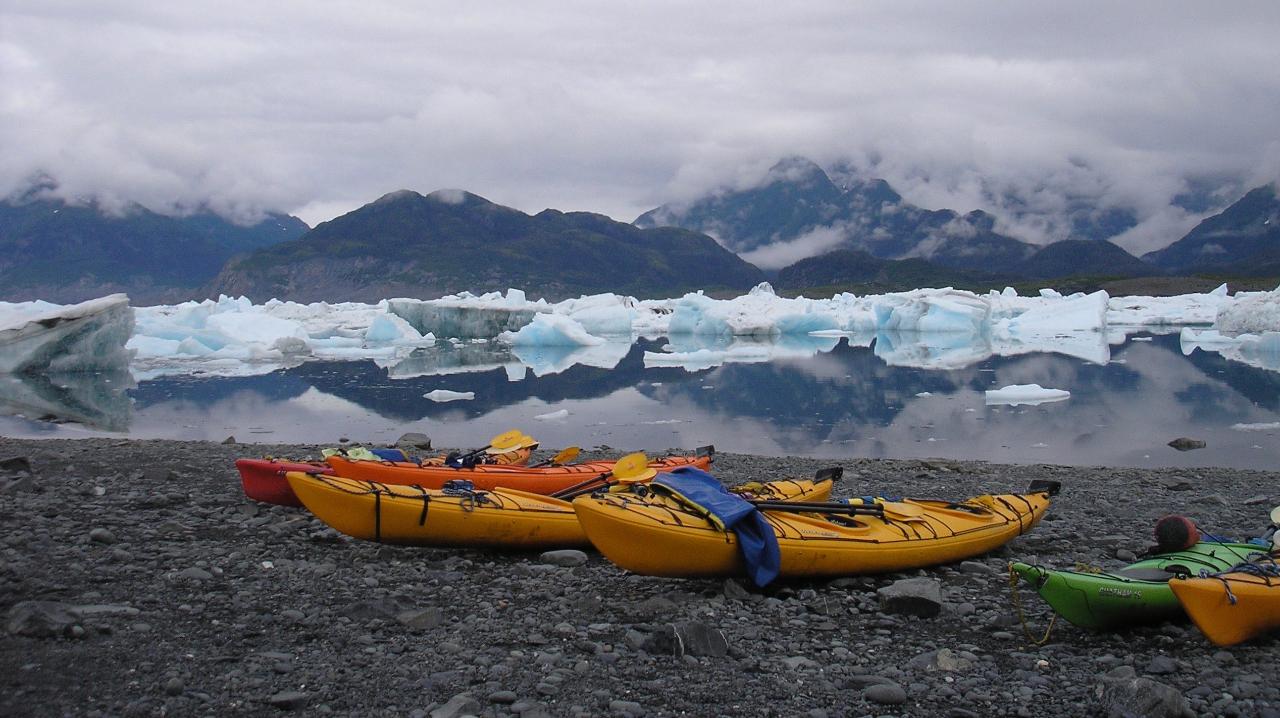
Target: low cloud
x: 1027, y: 111
x: 781, y: 254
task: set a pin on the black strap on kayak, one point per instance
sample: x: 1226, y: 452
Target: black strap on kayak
x: 377, y: 515
x: 426, y: 501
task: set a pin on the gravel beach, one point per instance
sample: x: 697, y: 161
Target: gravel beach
x: 136, y: 579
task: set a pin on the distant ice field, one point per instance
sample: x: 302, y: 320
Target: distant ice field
x: 1080, y: 379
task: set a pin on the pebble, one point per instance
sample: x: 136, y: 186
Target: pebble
x: 886, y: 694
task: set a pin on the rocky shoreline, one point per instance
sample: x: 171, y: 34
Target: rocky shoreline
x: 164, y: 591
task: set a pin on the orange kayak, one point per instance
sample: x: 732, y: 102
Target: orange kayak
x: 1234, y: 606
x: 486, y: 477
x: 263, y: 479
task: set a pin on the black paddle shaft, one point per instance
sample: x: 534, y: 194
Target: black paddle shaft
x: 818, y: 507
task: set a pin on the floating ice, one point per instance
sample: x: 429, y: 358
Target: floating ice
x: 759, y: 313
x: 551, y: 330
x: 236, y: 337
x: 1268, y: 426
x: 934, y: 311
x: 551, y: 416
x: 442, y: 395
x: 1252, y: 313
x: 929, y: 328
x: 39, y: 337
x: 466, y: 315
x: 1030, y: 394
x: 1180, y: 310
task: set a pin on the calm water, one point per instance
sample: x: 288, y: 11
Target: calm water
x: 844, y: 402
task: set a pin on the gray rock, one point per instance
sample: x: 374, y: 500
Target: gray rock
x: 1139, y: 697
x: 15, y: 464
x: 795, y: 663
x: 289, y: 700
x: 194, y: 573
x: 157, y: 474
x: 1126, y: 555
x: 1161, y: 666
x: 174, y: 687
x: 734, y: 590
x: 943, y: 659
x: 421, y: 619
x: 413, y: 440
x: 628, y: 708
x: 40, y: 619
x: 890, y: 694
x: 101, y: 535
x: 1183, y: 443
x: 920, y: 597
x: 21, y: 485
x: 687, y: 638
x: 977, y: 567
x: 865, y: 680
x: 101, y: 609
x: 229, y: 440
x: 565, y: 557
x: 505, y: 698
x: 459, y: 705
x: 388, y: 609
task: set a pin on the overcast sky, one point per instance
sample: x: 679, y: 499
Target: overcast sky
x: 315, y: 108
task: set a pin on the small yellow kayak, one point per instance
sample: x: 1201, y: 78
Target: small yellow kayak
x: 497, y: 518
x: 658, y: 536
x: 1234, y: 606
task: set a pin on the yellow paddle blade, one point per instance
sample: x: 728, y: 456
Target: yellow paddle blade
x: 506, y: 441
x: 567, y: 454
x: 633, y: 467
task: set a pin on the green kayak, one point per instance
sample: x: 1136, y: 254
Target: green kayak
x: 1137, y: 593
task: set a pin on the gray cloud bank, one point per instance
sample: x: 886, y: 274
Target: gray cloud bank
x: 1023, y: 109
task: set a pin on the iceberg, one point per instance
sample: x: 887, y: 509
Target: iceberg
x: 1251, y: 313
x: 443, y: 395
x: 466, y: 315
x: 1030, y: 394
x: 932, y: 311
x: 39, y: 337
x: 1180, y: 310
x: 759, y: 313
x: 551, y: 330
x: 234, y: 337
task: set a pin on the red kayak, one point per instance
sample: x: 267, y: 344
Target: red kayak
x: 263, y: 479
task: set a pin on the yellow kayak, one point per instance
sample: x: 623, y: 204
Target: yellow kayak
x: 1235, y: 606
x: 661, y: 537
x: 497, y: 518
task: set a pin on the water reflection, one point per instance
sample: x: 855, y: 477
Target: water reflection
x: 820, y: 396
x: 94, y: 399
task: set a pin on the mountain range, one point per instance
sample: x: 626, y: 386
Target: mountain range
x: 803, y: 228
x: 409, y: 245
x: 62, y: 252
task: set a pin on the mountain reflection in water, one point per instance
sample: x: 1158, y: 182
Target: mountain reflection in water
x: 815, y: 396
